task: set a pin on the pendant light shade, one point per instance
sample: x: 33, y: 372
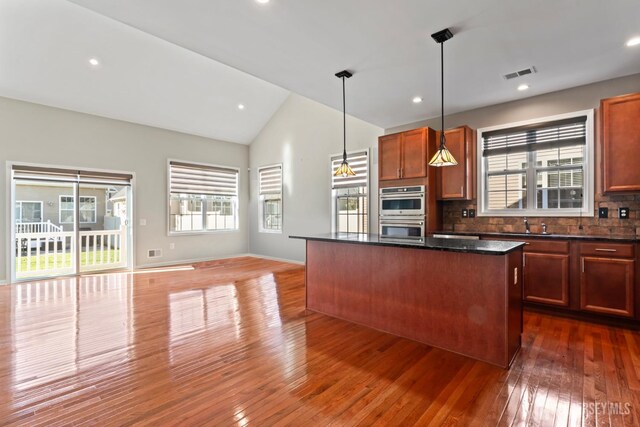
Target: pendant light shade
x: 443, y: 156
x: 344, y: 169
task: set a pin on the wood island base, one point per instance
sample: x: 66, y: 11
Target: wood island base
x: 464, y: 302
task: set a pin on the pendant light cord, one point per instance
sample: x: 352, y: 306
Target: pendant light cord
x: 344, y: 124
x: 442, y: 94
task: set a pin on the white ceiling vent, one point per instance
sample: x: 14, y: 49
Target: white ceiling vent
x: 520, y: 73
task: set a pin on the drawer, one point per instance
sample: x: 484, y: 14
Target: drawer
x: 608, y: 250
x: 538, y: 245
x: 547, y: 246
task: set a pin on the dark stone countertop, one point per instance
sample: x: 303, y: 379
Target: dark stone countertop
x: 485, y: 247
x: 512, y: 235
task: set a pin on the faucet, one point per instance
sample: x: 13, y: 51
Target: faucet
x: 544, y: 228
x: 527, y: 228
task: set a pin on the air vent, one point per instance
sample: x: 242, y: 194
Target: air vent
x: 520, y: 73
x: 154, y: 253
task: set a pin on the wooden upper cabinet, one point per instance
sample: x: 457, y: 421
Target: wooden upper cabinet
x: 414, y: 154
x: 389, y: 150
x: 620, y: 129
x: 403, y: 155
x: 458, y: 182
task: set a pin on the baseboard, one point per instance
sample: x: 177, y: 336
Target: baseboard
x: 3, y: 282
x: 291, y: 261
x: 188, y: 261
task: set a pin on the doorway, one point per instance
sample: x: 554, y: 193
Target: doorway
x: 69, y: 222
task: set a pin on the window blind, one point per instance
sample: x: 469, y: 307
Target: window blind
x: 68, y: 175
x: 537, y: 136
x: 270, y: 179
x: 359, y: 162
x: 186, y: 178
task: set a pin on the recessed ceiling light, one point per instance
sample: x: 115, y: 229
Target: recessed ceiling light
x: 523, y: 87
x: 633, y: 42
x: 240, y: 106
x: 417, y: 100
x: 94, y: 62
x: 262, y: 1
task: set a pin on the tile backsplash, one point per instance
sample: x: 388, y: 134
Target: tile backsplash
x: 588, y: 226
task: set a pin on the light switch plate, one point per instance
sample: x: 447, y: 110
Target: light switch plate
x: 603, y: 212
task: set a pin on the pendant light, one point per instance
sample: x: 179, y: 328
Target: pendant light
x: 443, y: 156
x: 344, y: 170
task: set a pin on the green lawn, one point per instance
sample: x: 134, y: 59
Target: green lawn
x: 108, y: 257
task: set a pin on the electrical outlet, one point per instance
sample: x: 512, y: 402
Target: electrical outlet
x: 472, y: 213
x: 603, y: 212
x: 623, y: 213
x: 172, y: 245
x: 465, y: 213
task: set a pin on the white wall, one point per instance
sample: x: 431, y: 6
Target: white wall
x: 303, y: 135
x: 32, y: 133
x: 550, y: 104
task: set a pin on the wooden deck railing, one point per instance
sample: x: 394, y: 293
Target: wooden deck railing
x: 38, y: 227
x: 52, y: 253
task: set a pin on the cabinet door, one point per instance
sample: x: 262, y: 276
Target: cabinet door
x: 414, y: 154
x: 546, y: 278
x: 389, y: 148
x: 457, y: 182
x: 621, y: 143
x: 606, y: 285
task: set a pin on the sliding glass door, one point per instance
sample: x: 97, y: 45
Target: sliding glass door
x: 44, y: 243
x: 69, y: 222
x: 103, y: 214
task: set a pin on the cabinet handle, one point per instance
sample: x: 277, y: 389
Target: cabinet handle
x: 399, y: 176
x: 401, y: 172
x: 606, y: 250
x: 462, y: 190
x: 582, y: 264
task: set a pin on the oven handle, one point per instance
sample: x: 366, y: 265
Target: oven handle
x: 401, y: 196
x: 383, y: 222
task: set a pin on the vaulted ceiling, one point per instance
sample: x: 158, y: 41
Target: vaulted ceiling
x: 187, y: 65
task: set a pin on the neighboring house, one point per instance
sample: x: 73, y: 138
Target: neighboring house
x: 55, y: 203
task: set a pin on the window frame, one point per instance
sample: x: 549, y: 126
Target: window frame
x: 20, y: 202
x: 588, y: 173
x: 334, y: 192
x: 262, y: 198
x: 235, y: 200
x: 95, y: 209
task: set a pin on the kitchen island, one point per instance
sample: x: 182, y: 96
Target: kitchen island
x: 459, y: 295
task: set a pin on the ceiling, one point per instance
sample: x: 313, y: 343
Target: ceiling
x: 163, y: 59
x: 45, y: 46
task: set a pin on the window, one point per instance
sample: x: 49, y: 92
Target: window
x: 270, y: 208
x: 27, y: 212
x: 202, y: 198
x: 87, y: 209
x: 350, y: 195
x: 542, y: 168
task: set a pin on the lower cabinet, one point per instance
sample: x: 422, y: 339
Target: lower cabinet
x: 597, y: 277
x: 607, y: 285
x: 546, y: 278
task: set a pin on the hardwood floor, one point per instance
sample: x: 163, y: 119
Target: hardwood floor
x: 229, y: 343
